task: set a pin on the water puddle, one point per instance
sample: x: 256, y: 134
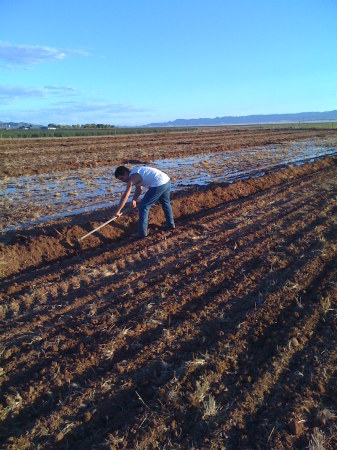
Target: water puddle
x: 31, y: 200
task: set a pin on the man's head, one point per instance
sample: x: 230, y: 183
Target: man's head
x: 122, y: 173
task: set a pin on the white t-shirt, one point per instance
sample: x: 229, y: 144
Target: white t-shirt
x: 150, y: 177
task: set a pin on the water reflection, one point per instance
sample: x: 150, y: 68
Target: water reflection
x: 36, y: 199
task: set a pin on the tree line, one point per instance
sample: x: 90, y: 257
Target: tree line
x: 76, y: 126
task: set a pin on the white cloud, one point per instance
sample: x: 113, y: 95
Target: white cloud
x: 13, y: 92
x: 33, y: 54
x: 18, y: 92
x: 72, y: 112
x: 99, y: 106
x: 61, y: 88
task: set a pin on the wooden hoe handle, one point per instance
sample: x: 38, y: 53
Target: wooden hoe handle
x: 98, y: 228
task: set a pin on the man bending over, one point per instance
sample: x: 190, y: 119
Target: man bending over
x: 159, y: 187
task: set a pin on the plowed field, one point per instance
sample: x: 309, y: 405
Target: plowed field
x: 33, y: 156
x: 219, y: 334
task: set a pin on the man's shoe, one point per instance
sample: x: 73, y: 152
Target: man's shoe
x: 137, y: 236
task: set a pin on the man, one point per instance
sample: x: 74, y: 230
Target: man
x: 159, y: 187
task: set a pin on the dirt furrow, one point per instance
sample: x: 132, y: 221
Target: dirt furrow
x: 63, y: 309
x: 183, y: 327
x: 221, y: 333
x: 246, y: 366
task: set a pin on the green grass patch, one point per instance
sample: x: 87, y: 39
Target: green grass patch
x: 66, y: 132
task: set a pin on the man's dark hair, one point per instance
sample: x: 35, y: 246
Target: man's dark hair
x: 121, y: 170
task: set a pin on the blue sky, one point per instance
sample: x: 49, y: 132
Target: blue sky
x: 135, y: 62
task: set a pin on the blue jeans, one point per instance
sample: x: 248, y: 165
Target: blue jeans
x: 161, y: 193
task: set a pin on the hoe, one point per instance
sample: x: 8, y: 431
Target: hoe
x: 127, y: 210
x: 98, y: 228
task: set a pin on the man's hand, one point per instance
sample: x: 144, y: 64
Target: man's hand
x: 118, y: 214
x: 134, y: 204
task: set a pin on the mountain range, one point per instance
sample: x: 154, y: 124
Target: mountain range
x: 325, y: 116
x: 252, y: 119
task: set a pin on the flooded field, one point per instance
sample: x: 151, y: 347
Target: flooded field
x: 221, y: 333
x: 30, y: 200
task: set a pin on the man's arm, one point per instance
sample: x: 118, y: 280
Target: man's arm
x: 137, y: 193
x: 124, y: 198
x: 134, y: 179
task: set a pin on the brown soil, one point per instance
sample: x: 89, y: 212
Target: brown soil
x: 219, y: 334
x: 32, y: 156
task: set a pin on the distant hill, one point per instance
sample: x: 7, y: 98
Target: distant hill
x: 226, y: 120
x: 250, y: 120
x: 16, y: 125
